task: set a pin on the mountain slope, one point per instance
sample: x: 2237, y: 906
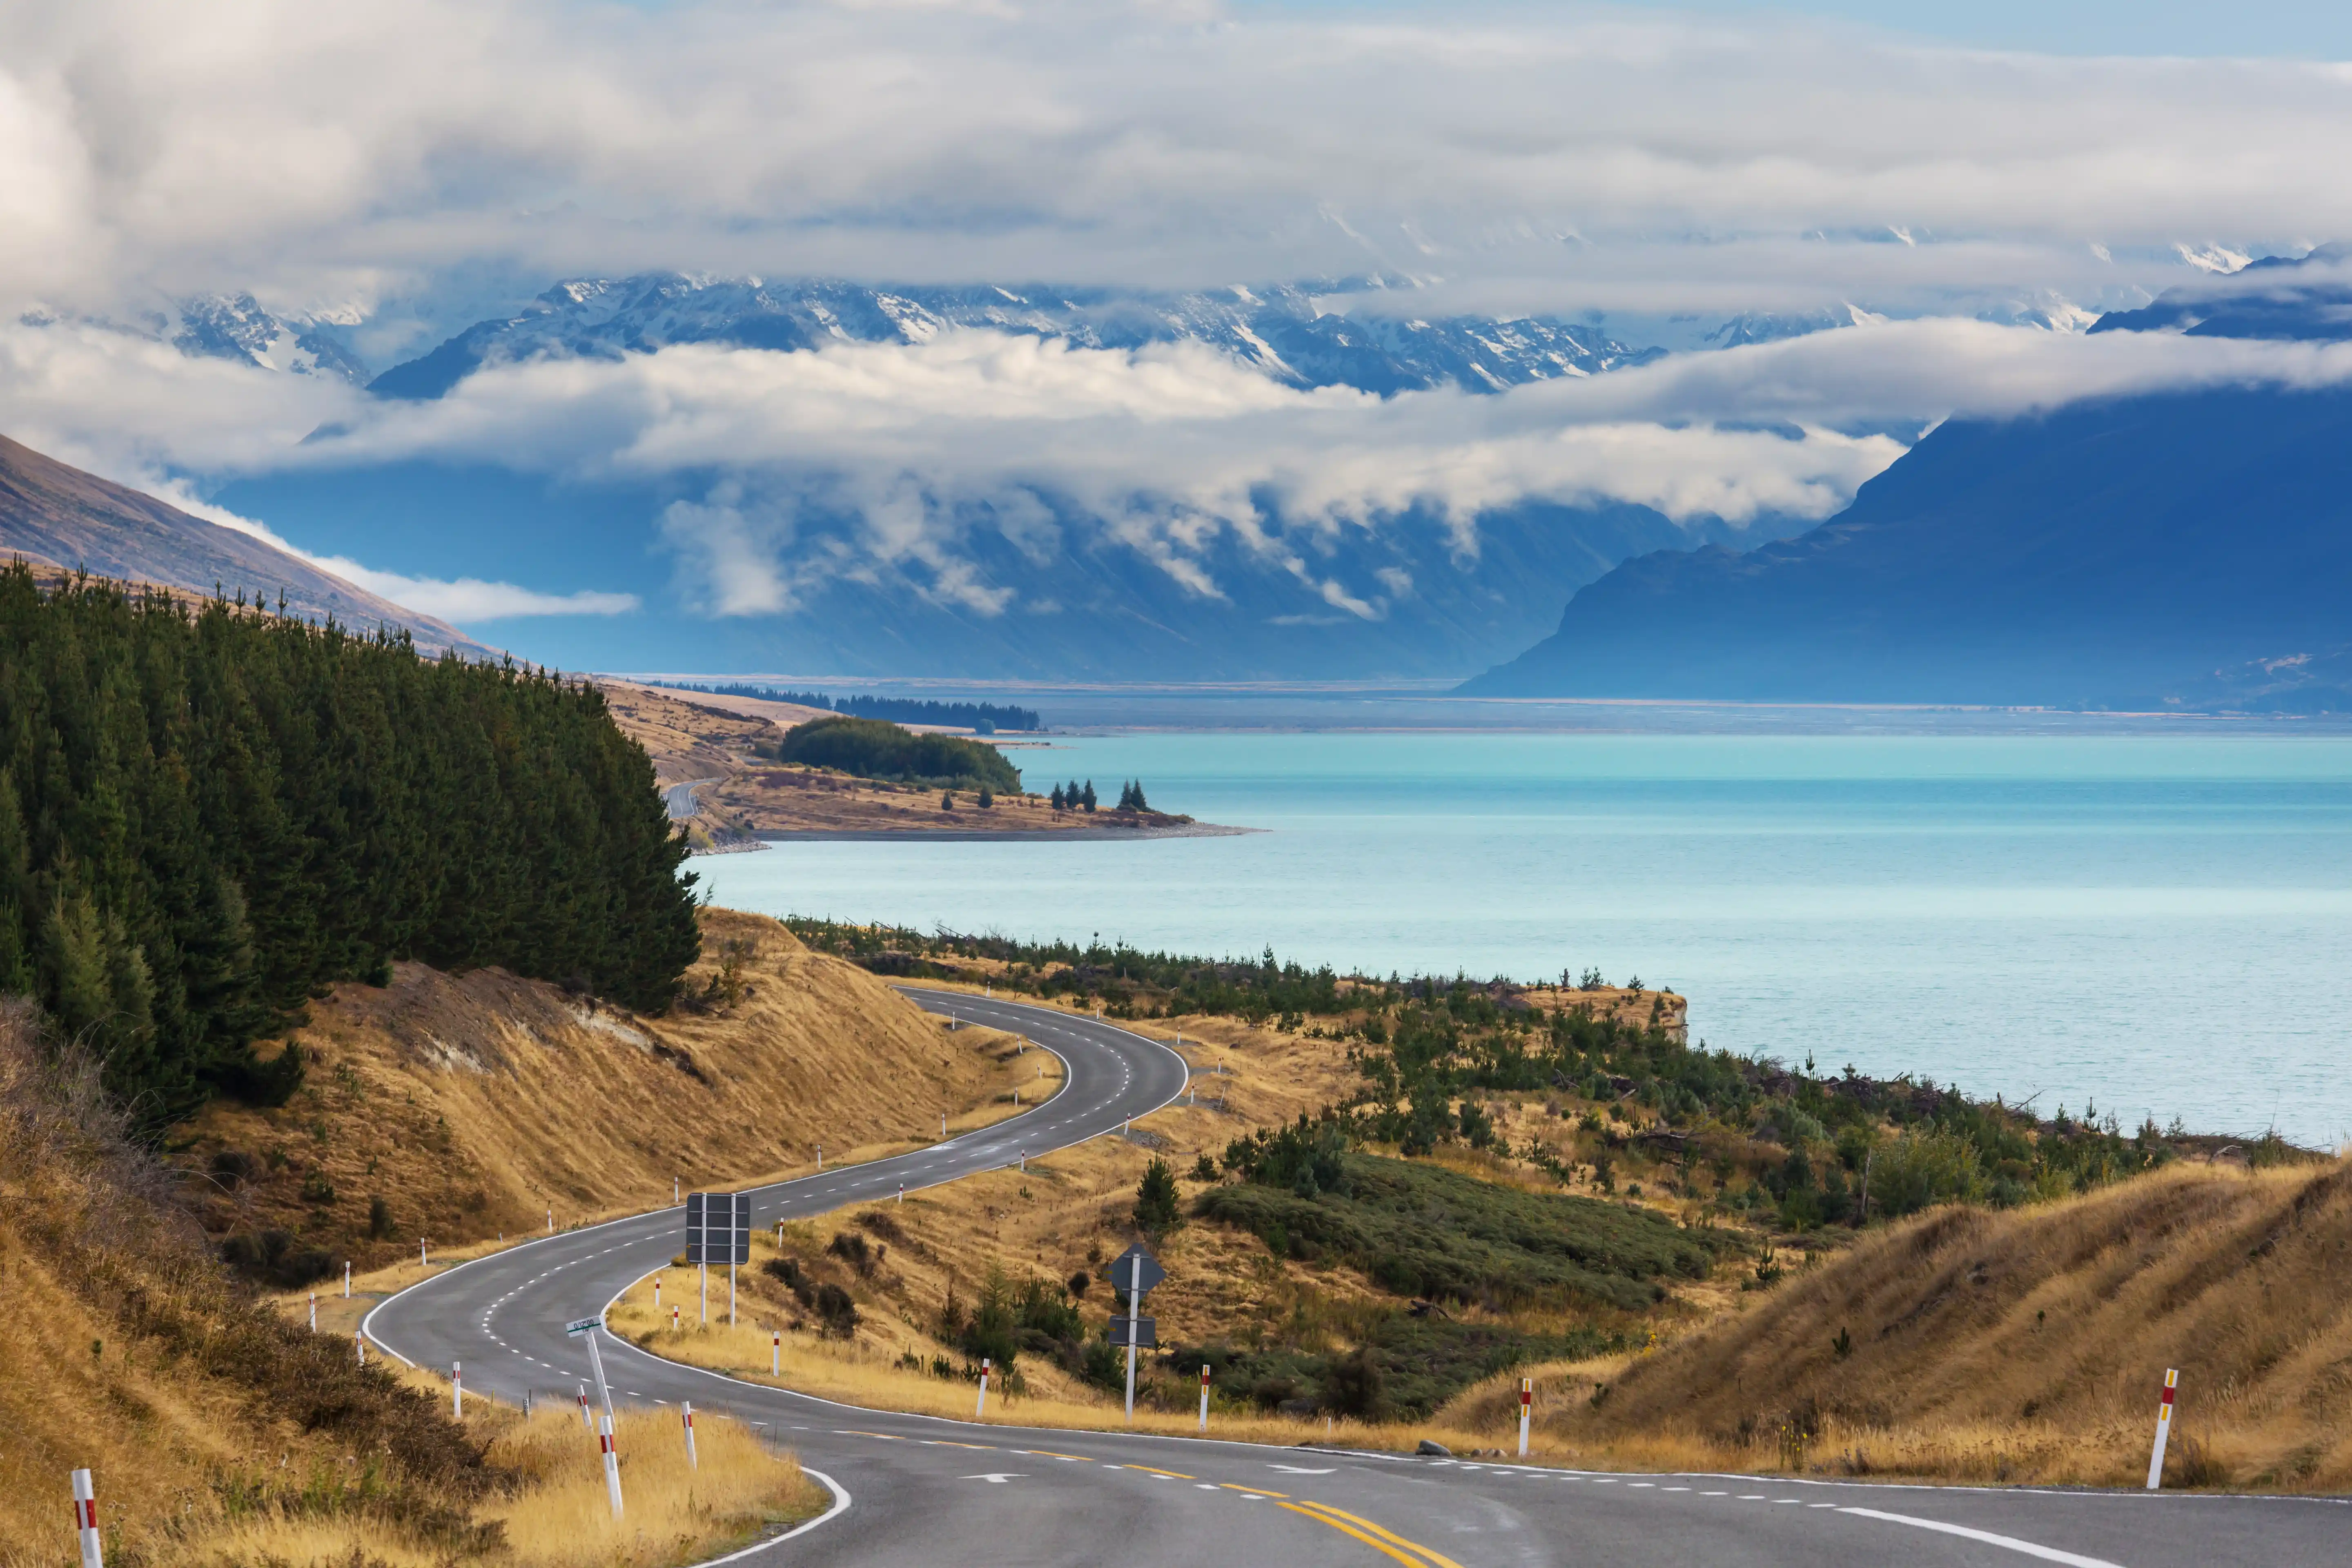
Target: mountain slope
x: 2177, y: 551
x: 53, y: 514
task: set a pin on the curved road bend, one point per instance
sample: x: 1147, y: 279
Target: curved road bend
x: 933, y: 1492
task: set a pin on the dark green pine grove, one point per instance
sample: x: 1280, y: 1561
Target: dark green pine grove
x: 207, y: 817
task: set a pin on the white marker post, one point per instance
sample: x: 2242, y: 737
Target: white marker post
x: 776, y: 1355
x: 819, y: 1159
x: 314, y: 1311
x: 86, y: 1519
x: 685, y: 1407
x: 657, y: 1292
x: 587, y: 1421
x: 673, y: 1189
x: 981, y: 1408
x: 1134, y: 1300
x: 943, y: 1123
x: 550, y: 1222
x: 673, y: 1317
x: 347, y: 1279
x: 1527, y: 1410
x: 1204, y: 1397
x: 458, y: 1390
x: 358, y: 1343
x: 2163, y: 1431
x: 902, y: 1194
x: 612, y: 1466
x: 422, y: 1261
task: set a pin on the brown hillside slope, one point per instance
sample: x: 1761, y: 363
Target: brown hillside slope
x: 2029, y: 1345
x: 472, y: 1104
x: 124, y: 1351
x: 51, y: 511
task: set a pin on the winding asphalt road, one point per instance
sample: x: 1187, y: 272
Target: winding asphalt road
x: 924, y: 1492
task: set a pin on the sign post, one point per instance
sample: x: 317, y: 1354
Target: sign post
x: 718, y: 1230
x: 1142, y: 1272
x: 588, y: 1327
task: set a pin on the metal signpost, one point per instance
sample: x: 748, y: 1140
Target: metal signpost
x: 1139, y: 1271
x: 586, y: 1327
x: 719, y: 1230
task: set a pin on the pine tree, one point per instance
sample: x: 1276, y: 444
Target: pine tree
x: 206, y: 817
x: 1088, y: 795
x: 1140, y: 803
x: 1056, y: 798
x: 986, y: 800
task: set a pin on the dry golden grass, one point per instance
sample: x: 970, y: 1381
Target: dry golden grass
x: 554, y: 1512
x: 472, y: 1105
x: 2022, y: 1346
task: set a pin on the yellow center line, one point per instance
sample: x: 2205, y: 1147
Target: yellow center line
x: 944, y: 1443
x: 1253, y: 1492
x: 1172, y: 1474
x: 1439, y: 1558
x: 885, y: 1437
x: 1375, y: 1543
x: 1049, y: 1454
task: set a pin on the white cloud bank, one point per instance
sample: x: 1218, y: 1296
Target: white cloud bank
x: 1559, y: 157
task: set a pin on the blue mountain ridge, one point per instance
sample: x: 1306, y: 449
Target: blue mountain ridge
x: 2167, y: 551
x: 1089, y: 606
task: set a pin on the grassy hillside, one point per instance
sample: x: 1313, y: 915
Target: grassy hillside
x: 221, y: 1435
x: 2025, y: 1346
x: 471, y: 1105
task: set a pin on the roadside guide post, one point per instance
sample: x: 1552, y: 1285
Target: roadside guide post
x: 86, y: 1519
x: 1142, y: 1272
x: 982, y: 1408
x: 1527, y: 1407
x: 612, y: 1464
x: 2163, y: 1431
x: 1204, y: 1397
x: 587, y: 1421
x: 687, y: 1408
x: 458, y: 1390
x: 776, y: 1355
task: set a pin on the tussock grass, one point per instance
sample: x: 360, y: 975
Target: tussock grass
x: 551, y: 1511
x: 474, y: 1104
x: 2025, y: 1345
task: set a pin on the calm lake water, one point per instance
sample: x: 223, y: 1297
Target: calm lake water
x: 2162, y: 922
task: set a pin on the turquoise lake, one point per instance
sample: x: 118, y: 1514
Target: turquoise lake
x: 2162, y: 923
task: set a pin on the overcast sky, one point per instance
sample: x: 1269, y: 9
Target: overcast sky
x: 407, y: 166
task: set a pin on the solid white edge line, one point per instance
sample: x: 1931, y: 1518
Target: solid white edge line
x: 2008, y: 1543
x: 840, y: 1505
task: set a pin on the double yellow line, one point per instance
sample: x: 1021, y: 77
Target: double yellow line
x: 1411, y: 1553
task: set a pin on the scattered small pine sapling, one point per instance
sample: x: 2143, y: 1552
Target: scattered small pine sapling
x: 986, y: 800
x: 947, y: 799
x: 1844, y: 1344
x: 1155, y: 1199
x: 1204, y: 1169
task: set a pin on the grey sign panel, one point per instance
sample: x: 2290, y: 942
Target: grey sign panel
x: 1147, y: 1333
x: 1121, y: 1271
x: 583, y: 1325
x: 719, y: 1228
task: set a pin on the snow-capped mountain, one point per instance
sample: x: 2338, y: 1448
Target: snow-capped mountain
x: 234, y: 326
x: 1285, y: 331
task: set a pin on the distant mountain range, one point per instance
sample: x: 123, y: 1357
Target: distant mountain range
x: 2186, y: 551
x: 1281, y: 331
x: 55, y: 516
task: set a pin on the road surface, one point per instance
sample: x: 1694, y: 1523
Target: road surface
x: 930, y: 1493
x: 678, y: 799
